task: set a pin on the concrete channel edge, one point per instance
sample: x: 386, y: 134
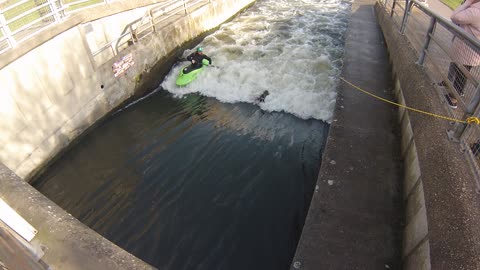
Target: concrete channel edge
x: 440, y: 198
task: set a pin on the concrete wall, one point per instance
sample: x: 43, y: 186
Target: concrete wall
x: 50, y: 86
x: 62, y: 241
x: 442, y: 207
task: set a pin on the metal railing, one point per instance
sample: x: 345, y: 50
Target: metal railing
x: 25, y: 18
x: 22, y: 19
x: 451, y: 58
x: 153, y: 20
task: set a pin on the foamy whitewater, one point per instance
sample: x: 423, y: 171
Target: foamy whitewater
x: 292, y: 48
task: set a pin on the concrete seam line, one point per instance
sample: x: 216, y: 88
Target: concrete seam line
x: 86, y: 46
x: 410, y: 142
x: 421, y: 242
x: 417, y: 183
x: 404, y: 111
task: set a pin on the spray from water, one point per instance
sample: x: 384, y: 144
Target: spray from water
x: 291, y: 48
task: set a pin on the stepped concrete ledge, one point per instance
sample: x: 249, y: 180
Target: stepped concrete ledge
x: 354, y: 220
x: 65, y: 242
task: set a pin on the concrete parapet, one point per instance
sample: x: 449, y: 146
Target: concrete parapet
x: 442, y: 207
x: 65, y: 242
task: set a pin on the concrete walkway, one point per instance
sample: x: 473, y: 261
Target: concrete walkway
x: 355, y: 216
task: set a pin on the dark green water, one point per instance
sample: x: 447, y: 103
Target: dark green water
x: 193, y: 183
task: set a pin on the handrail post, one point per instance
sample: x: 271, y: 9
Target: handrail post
x: 475, y: 102
x: 406, y: 14
x: 114, y: 50
x: 473, y: 108
x: 393, y: 8
x: 431, y: 29
x: 185, y: 7
x: 152, y: 23
x: 54, y: 10
x: 132, y: 34
x: 3, y: 24
x: 459, y: 130
x: 61, y: 9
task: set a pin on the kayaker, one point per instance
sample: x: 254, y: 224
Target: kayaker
x: 262, y: 97
x: 197, y: 57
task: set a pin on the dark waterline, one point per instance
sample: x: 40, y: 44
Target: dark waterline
x: 193, y: 183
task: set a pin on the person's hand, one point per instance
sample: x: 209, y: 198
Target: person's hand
x: 193, y: 62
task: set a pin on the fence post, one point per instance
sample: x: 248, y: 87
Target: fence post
x: 393, y: 7
x: 3, y: 24
x: 152, y: 23
x: 406, y: 14
x: 133, y: 36
x: 431, y: 29
x: 474, y: 104
x: 472, y: 109
x: 54, y: 10
x: 185, y: 7
x: 61, y: 9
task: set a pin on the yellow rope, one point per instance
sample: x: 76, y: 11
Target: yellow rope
x: 473, y: 120
x: 470, y: 120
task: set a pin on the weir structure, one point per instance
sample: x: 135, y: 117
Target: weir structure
x: 368, y: 175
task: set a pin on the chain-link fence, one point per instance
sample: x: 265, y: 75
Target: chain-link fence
x: 451, y: 58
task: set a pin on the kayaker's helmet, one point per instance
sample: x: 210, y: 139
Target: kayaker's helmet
x: 199, y: 49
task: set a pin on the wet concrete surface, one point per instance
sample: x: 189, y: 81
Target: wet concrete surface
x: 355, y: 217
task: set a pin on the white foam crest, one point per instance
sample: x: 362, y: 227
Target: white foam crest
x: 293, y: 49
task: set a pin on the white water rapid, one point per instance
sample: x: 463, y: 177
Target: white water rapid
x: 292, y: 48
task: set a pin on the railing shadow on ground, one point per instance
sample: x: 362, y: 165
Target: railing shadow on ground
x: 436, y: 40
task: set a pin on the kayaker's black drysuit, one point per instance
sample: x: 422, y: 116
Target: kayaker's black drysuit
x: 198, y: 61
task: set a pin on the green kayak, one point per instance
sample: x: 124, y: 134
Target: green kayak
x: 187, y: 75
